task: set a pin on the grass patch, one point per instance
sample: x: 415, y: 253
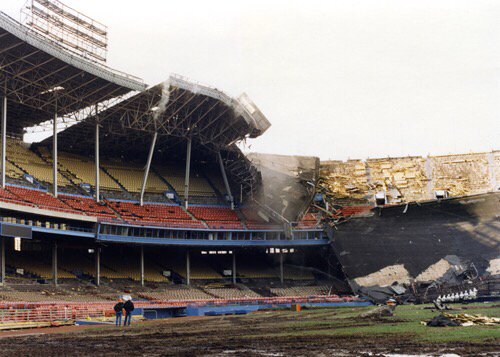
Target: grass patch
x: 405, y: 323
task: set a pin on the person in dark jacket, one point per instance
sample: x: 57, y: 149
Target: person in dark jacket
x: 119, y: 312
x: 129, y: 307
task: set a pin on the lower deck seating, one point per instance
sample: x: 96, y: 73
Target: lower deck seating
x: 309, y: 220
x: 8, y: 196
x: 302, y: 291
x: 232, y: 293
x: 39, y: 198
x: 88, y: 206
x: 217, y: 217
x: 154, y: 213
x: 180, y: 293
x: 294, y: 273
x: 31, y: 265
x: 251, y: 270
x: 120, y: 265
x: 254, y: 221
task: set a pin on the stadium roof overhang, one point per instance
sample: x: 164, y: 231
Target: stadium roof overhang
x: 40, y: 78
x: 177, y: 110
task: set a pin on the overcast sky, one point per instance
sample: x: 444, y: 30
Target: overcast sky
x: 337, y: 79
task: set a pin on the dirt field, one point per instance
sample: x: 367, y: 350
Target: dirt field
x: 321, y: 332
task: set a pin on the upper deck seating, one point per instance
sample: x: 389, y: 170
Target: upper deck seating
x: 217, y: 217
x: 18, y: 152
x: 131, y: 175
x: 83, y: 171
x: 198, y: 185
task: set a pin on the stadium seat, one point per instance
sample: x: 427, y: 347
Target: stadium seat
x: 88, y: 206
x: 217, y: 217
x: 168, y: 215
x: 40, y: 198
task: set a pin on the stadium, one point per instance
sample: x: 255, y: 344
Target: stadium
x: 142, y: 191
x: 139, y: 188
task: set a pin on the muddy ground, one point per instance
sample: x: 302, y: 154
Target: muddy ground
x: 276, y: 333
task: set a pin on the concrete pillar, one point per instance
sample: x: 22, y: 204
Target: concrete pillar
x: 4, y: 138
x: 97, y: 164
x: 54, y: 155
x: 142, y: 265
x: 148, y: 165
x: 54, y: 263
x: 98, y: 266
x: 224, y: 177
x: 234, y: 267
x: 188, y: 168
x: 2, y: 260
x: 188, y: 268
x: 282, y: 275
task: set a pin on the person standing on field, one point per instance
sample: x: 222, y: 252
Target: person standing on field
x: 119, y: 312
x: 129, y: 307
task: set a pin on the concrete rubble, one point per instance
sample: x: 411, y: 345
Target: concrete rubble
x: 407, y: 179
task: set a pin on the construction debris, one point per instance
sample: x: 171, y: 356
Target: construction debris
x: 447, y: 319
x: 381, y: 311
x: 407, y: 179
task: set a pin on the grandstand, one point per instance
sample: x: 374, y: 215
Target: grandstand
x: 146, y: 190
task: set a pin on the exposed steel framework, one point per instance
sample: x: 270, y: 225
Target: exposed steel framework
x: 42, y: 84
x: 67, y: 26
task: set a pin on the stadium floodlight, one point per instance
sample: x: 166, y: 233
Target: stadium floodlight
x: 53, y: 90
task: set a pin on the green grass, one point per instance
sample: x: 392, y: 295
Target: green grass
x: 406, y: 322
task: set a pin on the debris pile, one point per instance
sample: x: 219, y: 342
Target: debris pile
x: 447, y: 319
x: 381, y: 311
x: 407, y: 179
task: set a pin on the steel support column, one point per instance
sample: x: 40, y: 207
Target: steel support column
x: 142, y: 265
x: 224, y: 177
x: 54, y: 155
x: 98, y: 266
x: 281, y: 267
x: 2, y: 259
x: 148, y: 165
x: 97, y: 164
x: 188, y: 269
x: 234, y: 267
x: 4, y: 137
x: 186, y: 180
x: 54, y: 263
